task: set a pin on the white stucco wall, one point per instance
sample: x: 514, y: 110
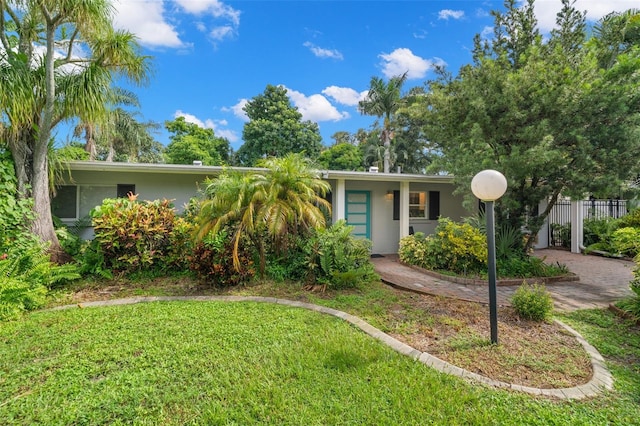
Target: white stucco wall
x: 385, y: 232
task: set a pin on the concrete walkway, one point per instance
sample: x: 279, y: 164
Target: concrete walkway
x: 602, y: 281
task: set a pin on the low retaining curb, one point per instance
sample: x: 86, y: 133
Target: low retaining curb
x: 601, y: 380
x: 500, y: 282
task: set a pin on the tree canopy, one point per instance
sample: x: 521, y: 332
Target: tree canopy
x: 57, y: 61
x: 275, y: 129
x: 190, y: 142
x: 544, y: 112
x: 383, y: 100
x: 341, y: 156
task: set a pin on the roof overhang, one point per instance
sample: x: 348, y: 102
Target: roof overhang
x: 103, y: 166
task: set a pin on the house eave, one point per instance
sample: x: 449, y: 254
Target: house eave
x: 102, y: 166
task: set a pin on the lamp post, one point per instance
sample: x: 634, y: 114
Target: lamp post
x: 488, y: 186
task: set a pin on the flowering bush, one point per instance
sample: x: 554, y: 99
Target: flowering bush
x: 456, y: 247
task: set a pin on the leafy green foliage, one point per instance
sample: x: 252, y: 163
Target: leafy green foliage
x: 539, y: 109
x: 270, y: 209
x: 599, y: 230
x: 133, y: 235
x: 341, y: 156
x: 15, y: 211
x: 212, y: 260
x: 632, y: 305
x: 509, y: 242
x: 532, y: 302
x: 37, y: 95
x: 527, y: 267
x: 190, y: 142
x: 630, y: 220
x: 455, y: 247
x: 337, y: 259
x: 275, y: 129
x: 25, y: 277
x: 626, y: 241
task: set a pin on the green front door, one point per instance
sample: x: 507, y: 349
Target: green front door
x: 357, y: 212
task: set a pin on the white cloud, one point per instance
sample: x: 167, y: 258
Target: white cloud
x: 209, y: 124
x: 238, y: 110
x: 149, y: 20
x: 145, y: 18
x: 315, y: 107
x: 420, y: 34
x: 220, y: 33
x: 546, y: 10
x: 403, y: 60
x: 344, y: 95
x: 215, y: 7
x: 323, y: 53
x: 447, y: 14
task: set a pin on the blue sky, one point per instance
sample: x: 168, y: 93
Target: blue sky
x: 210, y: 56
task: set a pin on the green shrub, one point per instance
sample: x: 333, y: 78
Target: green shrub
x: 337, y: 259
x: 15, y: 212
x: 532, y: 302
x: 599, y: 230
x: 509, y: 243
x: 456, y: 247
x: 25, y: 277
x: 630, y: 220
x: 626, y: 241
x: 134, y: 235
x: 212, y: 260
x: 632, y: 304
x: 528, y: 267
x: 414, y: 249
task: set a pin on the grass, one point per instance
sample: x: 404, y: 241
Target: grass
x: 249, y: 363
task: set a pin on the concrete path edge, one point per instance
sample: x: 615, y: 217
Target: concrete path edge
x: 601, y: 381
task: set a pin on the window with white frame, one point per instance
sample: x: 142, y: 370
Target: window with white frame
x: 418, y: 204
x: 73, y: 202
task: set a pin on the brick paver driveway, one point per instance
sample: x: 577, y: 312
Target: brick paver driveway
x: 602, y: 281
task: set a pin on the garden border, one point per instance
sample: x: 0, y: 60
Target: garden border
x: 601, y: 381
x: 500, y: 282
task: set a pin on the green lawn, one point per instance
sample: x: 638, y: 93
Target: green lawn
x: 251, y: 363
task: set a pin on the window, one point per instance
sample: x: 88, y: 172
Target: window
x: 65, y: 203
x: 417, y: 204
x: 73, y: 202
x: 422, y: 205
x: 124, y: 190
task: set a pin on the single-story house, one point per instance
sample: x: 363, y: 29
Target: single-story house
x: 382, y: 207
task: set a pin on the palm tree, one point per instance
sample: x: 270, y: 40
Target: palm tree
x: 286, y: 200
x: 382, y: 101
x: 38, y: 92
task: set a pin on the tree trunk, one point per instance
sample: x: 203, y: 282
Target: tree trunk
x: 387, y: 155
x: 42, y: 225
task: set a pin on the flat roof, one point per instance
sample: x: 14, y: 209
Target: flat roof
x: 186, y: 169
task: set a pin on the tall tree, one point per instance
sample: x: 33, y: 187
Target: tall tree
x: 190, y: 142
x: 542, y: 112
x: 118, y: 135
x: 57, y: 61
x: 341, y: 156
x: 615, y: 34
x: 275, y: 128
x: 283, y: 202
x: 383, y: 100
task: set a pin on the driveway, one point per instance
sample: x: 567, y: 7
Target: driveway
x: 602, y: 281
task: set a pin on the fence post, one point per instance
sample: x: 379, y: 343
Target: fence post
x: 576, y: 226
